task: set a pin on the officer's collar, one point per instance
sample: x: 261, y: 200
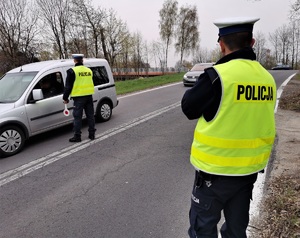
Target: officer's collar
x: 245, y: 53
x: 77, y: 64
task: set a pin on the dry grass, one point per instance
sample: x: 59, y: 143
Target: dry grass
x: 290, y: 99
x: 281, y: 209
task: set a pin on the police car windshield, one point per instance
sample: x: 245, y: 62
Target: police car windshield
x: 13, y: 85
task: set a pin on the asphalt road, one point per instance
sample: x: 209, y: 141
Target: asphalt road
x: 133, y: 181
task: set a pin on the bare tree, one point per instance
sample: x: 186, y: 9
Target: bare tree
x: 116, y: 33
x: 145, y: 57
x: 91, y: 23
x: 259, y: 46
x: 284, y: 36
x: 106, y: 30
x: 167, y: 23
x: 295, y: 24
x: 216, y: 54
x: 281, y: 40
x: 78, y: 32
x: 263, y: 54
x: 201, y: 55
x: 295, y: 10
x: 17, y: 31
x: 275, y: 41
x: 123, y: 59
x: 57, y: 14
x: 187, y: 31
x: 137, y: 60
x: 157, y: 49
x: 294, y: 38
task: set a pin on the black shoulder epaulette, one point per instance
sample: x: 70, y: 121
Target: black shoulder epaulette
x: 212, y: 73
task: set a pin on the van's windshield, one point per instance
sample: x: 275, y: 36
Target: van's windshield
x: 13, y: 85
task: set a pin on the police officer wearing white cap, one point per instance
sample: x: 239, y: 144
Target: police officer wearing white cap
x: 234, y: 103
x: 80, y: 86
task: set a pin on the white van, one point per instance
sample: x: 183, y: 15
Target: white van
x: 27, y: 109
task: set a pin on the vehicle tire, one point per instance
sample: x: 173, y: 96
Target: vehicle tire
x: 103, y: 111
x: 12, y: 140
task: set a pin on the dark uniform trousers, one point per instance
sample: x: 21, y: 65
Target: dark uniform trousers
x: 212, y: 194
x: 83, y: 103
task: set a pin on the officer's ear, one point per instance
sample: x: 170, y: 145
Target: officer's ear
x: 222, y: 46
x: 252, y: 42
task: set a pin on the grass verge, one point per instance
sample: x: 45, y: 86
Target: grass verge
x: 129, y: 86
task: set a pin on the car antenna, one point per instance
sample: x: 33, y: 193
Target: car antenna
x: 21, y: 68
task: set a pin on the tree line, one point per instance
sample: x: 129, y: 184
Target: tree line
x: 37, y: 30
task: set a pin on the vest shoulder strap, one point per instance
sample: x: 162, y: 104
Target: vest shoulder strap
x: 211, y: 112
x: 212, y: 74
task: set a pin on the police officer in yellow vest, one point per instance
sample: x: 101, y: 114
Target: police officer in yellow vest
x: 234, y: 103
x: 80, y: 86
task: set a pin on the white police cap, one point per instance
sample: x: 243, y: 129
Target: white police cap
x: 78, y: 56
x: 235, y: 24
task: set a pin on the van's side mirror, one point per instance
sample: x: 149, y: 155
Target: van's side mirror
x: 37, y: 94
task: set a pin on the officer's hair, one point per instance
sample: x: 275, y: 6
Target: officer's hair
x: 79, y: 60
x: 237, y: 40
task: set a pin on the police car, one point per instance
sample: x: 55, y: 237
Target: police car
x: 31, y: 100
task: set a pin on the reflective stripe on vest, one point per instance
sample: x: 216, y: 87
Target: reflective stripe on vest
x: 83, y: 84
x: 239, y: 140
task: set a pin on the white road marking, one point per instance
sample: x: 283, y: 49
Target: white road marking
x: 32, y: 166
x: 280, y: 90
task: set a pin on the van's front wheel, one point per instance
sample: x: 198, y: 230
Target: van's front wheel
x: 103, y: 111
x: 12, y: 140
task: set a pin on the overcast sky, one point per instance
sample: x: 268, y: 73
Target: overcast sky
x: 143, y: 16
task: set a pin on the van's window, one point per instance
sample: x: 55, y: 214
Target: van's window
x: 100, y: 75
x: 51, y: 85
x: 13, y: 85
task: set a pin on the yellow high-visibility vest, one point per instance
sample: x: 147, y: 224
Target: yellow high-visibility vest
x: 83, y: 84
x: 239, y: 139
